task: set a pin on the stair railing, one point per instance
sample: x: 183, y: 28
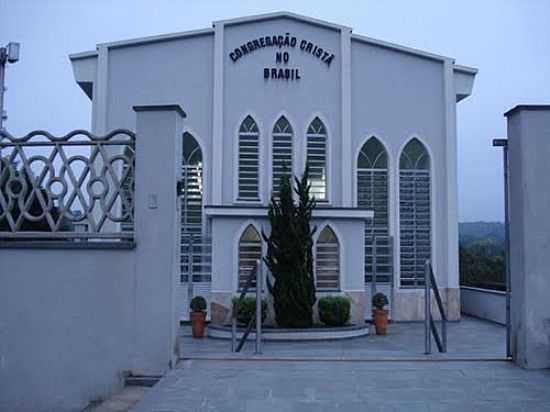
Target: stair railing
x: 256, y: 273
x: 429, y: 323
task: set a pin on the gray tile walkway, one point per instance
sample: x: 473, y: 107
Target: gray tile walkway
x: 468, y: 339
x: 209, y: 378
x: 240, y: 385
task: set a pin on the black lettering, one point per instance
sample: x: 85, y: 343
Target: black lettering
x: 309, y: 47
x: 287, y: 74
x: 319, y: 52
x: 262, y: 41
x: 256, y: 44
x: 298, y: 74
x: 303, y: 44
x: 244, y: 49
x: 278, y: 57
x: 268, y: 41
x: 250, y: 46
x: 238, y: 53
x: 329, y: 60
x: 293, y: 42
x: 273, y: 73
x: 286, y: 57
x: 266, y: 73
x: 281, y: 74
x: 233, y: 57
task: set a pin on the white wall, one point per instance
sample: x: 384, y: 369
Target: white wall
x: 66, y: 326
x: 484, y: 304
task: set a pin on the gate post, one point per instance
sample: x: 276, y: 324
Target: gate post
x: 158, y: 157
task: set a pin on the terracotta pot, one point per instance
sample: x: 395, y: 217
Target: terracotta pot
x: 198, y: 320
x: 380, y: 318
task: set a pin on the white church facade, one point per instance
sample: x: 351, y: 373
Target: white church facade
x: 375, y: 123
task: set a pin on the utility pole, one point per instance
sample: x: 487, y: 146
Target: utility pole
x: 8, y: 54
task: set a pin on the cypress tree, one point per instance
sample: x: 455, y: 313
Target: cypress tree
x: 289, y: 254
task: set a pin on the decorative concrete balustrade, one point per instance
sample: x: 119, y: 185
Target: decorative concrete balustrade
x: 73, y: 186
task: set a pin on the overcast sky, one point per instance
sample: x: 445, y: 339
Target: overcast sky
x: 507, y: 40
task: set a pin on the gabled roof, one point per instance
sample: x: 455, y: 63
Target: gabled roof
x: 282, y: 14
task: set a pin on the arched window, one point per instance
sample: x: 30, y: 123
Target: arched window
x: 414, y: 213
x: 316, y: 158
x: 250, y: 250
x: 249, y: 160
x: 281, y: 152
x: 191, y: 187
x: 327, y: 261
x: 372, y: 194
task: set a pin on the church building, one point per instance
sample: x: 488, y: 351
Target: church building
x: 374, y: 122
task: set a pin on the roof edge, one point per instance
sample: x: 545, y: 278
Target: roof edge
x: 280, y: 14
x: 156, y: 39
x: 400, y: 48
x: 83, y: 55
x: 465, y: 69
x: 527, y: 107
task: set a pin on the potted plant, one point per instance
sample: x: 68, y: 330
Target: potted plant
x: 198, y: 316
x: 379, y: 314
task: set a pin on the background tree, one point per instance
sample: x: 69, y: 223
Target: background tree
x: 289, y: 254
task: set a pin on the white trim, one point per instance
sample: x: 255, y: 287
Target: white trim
x: 156, y: 39
x: 261, y: 170
x: 345, y: 72
x: 295, y: 156
x: 451, y: 269
x: 236, y: 244
x: 399, y: 48
x: 282, y: 14
x: 83, y: 55
x: 330, y: 213
x: 101, y: 98
x: 341, y: 255
x: 217, y: 117
x: 328, y: 154
x: 397, y: 247
x: 205, y: 174
x: 465, y: 69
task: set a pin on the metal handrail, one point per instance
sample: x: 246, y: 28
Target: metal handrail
x: 429, y: 323
x: 257, y: 320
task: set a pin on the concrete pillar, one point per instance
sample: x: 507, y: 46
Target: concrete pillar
x: 158, y: 159
x: 529, y: 166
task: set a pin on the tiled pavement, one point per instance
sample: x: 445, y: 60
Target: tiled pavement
x: 313, y: 384
x: 235, y: 385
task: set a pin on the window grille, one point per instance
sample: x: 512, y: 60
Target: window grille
x: 249, y: 162
x: 327, y: 261
x: 316, y: 159
x: 191, y: 189
x: 414, y: 213
x: 250, y: 250
x: 281, y: 152
x: 372, y: 194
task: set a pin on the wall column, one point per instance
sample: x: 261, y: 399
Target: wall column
x: 529, y: 168
x: 158, y: 158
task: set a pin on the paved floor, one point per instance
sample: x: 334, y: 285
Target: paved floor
x: 342, y: 375
x: 252, y: 386
x: 468, y: 339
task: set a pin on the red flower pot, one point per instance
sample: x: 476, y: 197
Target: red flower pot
x: 198, y: 320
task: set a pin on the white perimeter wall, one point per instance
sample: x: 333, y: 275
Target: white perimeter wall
x: 66, y: 326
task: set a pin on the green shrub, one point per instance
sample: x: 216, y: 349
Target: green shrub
x: 334, y: 310
x: 379, y: 300
x: 246, y: 309
x: 198, y: 304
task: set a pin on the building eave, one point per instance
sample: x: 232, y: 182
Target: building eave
x: 527, y: 107
x: 157, y: 39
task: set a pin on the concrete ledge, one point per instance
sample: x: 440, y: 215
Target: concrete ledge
x: 484, y: 304
x: 275, y: 334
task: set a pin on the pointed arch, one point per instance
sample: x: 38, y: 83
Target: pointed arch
x: 249, y: 160
x: 373, y: 194
x: 281, y: 152
x: 316, y: 158
x: 249, y: 251
x: 327, y: 260
x: 415, y: 226
x: 192, y: 187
